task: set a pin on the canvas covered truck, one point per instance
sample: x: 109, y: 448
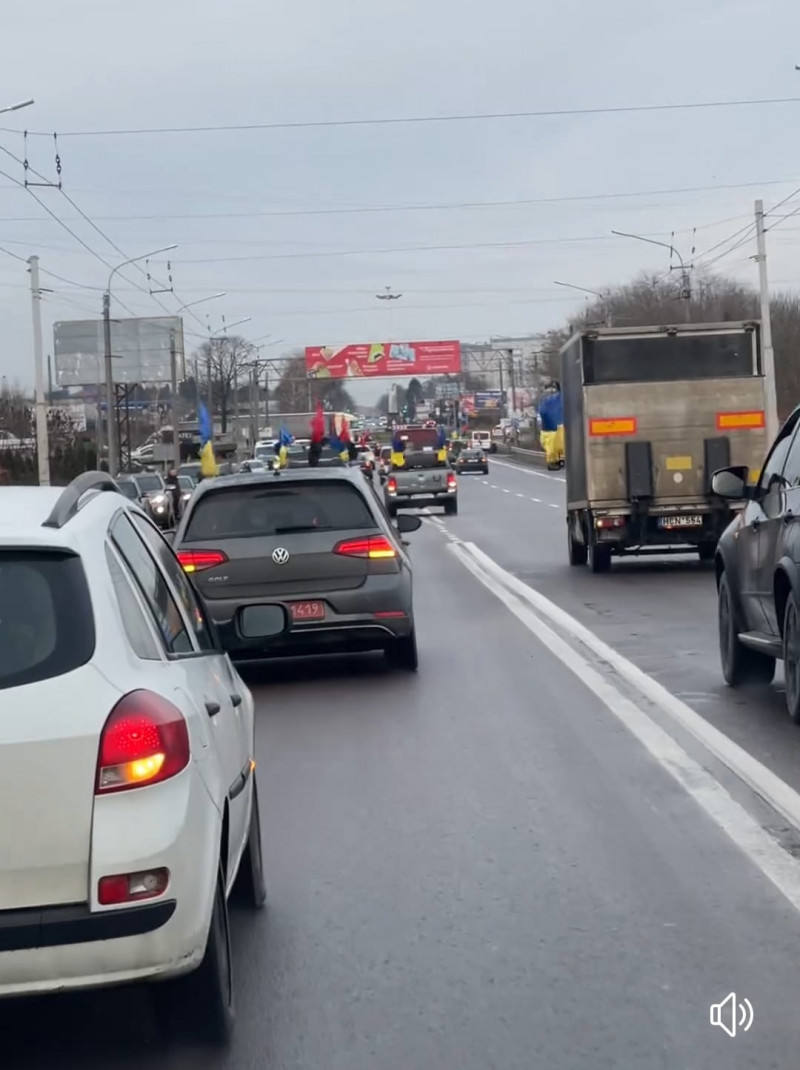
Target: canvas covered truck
x: 650, y: 413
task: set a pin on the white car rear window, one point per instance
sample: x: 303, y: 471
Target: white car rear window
x: 46, y: 620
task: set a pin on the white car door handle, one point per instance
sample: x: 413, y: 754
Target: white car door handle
x: 236, y: 700
x: 212, y: 708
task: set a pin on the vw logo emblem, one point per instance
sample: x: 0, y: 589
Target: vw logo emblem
x: 280, y: 556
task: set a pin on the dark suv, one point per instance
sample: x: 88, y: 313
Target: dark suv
x: 758, y: 569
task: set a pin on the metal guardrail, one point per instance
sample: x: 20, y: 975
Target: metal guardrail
x: 532, y: 457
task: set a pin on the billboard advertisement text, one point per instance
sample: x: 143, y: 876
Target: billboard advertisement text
x: 489, y: 399
x: 376, y: 359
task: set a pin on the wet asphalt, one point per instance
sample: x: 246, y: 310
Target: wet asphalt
x: 477, y: 867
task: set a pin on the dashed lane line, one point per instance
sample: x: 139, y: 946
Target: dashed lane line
x: 529, y: 471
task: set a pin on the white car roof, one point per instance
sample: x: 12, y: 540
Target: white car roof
x: 24, y: 510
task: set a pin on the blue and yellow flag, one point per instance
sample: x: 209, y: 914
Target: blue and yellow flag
x: 208, y: 462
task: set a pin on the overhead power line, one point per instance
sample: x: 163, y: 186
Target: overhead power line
x: 695, y: 105
x: 431, y: 207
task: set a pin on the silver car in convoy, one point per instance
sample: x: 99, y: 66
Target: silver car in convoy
x: 150, y: 490
x: 315, y: 541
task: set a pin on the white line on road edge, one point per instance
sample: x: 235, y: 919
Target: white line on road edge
x: 529, y: 471
x: 728, y: 814
x: 761, y: 780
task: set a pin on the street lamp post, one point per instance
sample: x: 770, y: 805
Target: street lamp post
x: 201, y: 301
x: 686, y: 288
x: 586, y: 290
x: 113, y: 451
x: 16, y: 107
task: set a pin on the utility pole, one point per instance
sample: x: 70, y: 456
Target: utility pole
x: 513, y: 382
x: 768, y: 353
x: 109, y: 370
x: 173, y: 370
x: 236, y: 405
x: 42, y: 439
x: 196, y: 388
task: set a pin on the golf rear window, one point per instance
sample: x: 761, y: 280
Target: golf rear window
x: 46, y: 620
x: 279, y: 508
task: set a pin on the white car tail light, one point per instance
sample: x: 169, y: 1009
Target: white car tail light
x: 131, y: 887
x: 144, y: 741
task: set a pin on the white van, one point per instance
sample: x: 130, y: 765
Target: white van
x: 481, y: 440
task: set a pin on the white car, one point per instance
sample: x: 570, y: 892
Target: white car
x: 127, y: 772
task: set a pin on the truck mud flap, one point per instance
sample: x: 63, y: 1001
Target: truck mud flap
x: 639, y: 470
x: 716, y: 455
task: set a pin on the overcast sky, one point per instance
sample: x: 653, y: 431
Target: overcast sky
x: 245, y: 206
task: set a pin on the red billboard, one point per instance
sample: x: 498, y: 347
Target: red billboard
x: 376, y: 359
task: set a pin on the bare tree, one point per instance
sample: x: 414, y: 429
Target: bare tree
x: 295, y: 392
x: 223, y: 360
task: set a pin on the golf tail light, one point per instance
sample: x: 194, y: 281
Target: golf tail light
x: 391, y: 485
x: 132, y: 887
x: 374, y: 547
x: 198, y: 560
x: 144, y: 741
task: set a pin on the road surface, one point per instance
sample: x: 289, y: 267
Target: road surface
x: 481, y: 866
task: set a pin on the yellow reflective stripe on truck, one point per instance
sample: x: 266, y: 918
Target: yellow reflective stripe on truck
x: 620, y: 425
x: 740, y: 421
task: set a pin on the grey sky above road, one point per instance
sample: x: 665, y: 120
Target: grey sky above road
x: 312, y: 278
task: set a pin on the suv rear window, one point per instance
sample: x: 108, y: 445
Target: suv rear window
x: 46, y: 620
x: 278, y: 509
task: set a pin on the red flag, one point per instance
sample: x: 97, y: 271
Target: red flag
x: 344, y: 434
x: 318, y: 424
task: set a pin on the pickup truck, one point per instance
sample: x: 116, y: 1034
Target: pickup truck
x: 420, y: 473
x: 420, y: 482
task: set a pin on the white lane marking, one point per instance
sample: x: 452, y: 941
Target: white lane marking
x: 485, y: 482
x: 522, y: 496
x: 505, y: 490
x: 539, y: 500
x: 776, y: 792
x: 529, y: 471
x: 553, y: 505
x: 728, y: 814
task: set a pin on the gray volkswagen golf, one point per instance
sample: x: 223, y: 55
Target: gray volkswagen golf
x: 315, y: 541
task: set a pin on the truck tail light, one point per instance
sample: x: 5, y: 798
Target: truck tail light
x: 197, y: 560
x: 451, y: 481
x: 391, y: 485
x: 375, y: 547
x: 144, y: 741
x: 606, y: 522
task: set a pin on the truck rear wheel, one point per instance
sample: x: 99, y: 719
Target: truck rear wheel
x: 577, y: 550
x: 599, y: 558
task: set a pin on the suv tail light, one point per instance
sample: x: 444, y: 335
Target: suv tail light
x: 197, y: 560
x: 373, y: 547
x: 451, y: 481
x: 144, y: 741
x: 391, y: 485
